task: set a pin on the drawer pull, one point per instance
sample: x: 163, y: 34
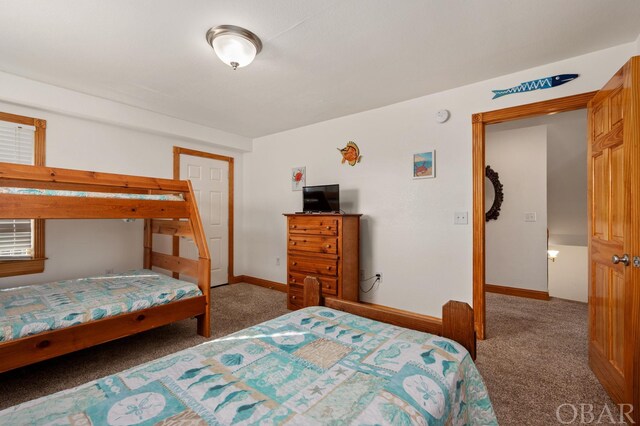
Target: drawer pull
x: 293, y: 243
x: 293, y: 280
x: 328, y: 268
x: 328, y: 227
x: 328, y: 245
x: 140, y: 317
x: 43, y: 344
x: 293, y: 298
x: 294, y: 263
x: 293, y: 226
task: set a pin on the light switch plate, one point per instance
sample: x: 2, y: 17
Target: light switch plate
x: 460, y: 218
x: 530, y: 217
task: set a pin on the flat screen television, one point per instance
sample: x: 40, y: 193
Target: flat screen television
x: 321, y: 198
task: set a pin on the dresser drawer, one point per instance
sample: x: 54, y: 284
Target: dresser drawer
x: 309, y: 225
x: 295, y: 297
x: 327, y: 285
x: 313, y: 265
x: 313, y: 244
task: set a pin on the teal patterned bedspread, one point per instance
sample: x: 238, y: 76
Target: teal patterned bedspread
x: 89, y: 194
x: 33, y: 309
x: 310, y: 367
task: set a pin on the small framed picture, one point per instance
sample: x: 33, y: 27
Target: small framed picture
x: 424, y: 165
x: 298, y: 178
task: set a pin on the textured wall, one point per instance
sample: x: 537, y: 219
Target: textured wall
x: 408, y: 231
x: 516, y: 250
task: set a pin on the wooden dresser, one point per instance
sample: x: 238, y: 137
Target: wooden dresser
x: 326, y: 247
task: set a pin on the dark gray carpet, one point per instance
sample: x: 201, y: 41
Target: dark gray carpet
x: 234, y: 307
x: 535, y: 359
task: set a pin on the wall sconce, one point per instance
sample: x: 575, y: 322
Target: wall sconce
x: 235, y: 46
x: 552, y: 254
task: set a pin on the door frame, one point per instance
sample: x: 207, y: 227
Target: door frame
x: 177, y: 152
x: 479, y: 121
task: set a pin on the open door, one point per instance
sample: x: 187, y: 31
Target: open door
x: 614, y: 236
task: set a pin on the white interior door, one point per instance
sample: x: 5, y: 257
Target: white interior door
x: 210, y: 180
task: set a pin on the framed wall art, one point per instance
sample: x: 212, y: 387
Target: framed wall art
x: 424, y: 165
x: 298, y: 178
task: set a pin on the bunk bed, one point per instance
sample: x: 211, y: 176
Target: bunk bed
x: 168, y: 207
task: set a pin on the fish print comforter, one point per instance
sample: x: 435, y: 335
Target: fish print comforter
x: 310, y: 367
x: 29, y: 310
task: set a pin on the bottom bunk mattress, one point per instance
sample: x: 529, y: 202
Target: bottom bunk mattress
x: 313, y: 366
x: 29, y: 310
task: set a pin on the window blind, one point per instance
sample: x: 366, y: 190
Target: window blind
x: 16, y: 146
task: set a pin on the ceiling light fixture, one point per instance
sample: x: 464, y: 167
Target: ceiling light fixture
x: 235, y: 46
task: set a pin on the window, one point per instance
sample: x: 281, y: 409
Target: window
x: 22, y: 141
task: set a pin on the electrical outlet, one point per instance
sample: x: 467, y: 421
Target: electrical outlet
x: 460, y: 218
x: 530, y: 217
x: 277, y: 261
x: 379, y: 277
x: 361, y: 274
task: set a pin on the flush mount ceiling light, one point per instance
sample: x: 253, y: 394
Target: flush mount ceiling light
x: 235, y: 46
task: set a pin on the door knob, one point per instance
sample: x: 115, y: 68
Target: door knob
x: 617, y: 259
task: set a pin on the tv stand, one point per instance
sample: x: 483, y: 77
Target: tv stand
x: 324, y: 246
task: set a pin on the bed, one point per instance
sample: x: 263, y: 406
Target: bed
x: 313, y: 366
x: 41, y: 322
x: 30, y: 310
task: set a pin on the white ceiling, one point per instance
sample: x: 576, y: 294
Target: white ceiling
x: 321, y: 59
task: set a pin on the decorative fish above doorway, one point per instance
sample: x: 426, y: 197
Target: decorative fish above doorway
x: 539, y: 84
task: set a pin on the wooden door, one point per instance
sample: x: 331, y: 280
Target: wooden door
x: 210, y: 180
x: 614, y: 225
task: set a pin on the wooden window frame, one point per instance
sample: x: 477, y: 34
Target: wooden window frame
x: 9, y: 268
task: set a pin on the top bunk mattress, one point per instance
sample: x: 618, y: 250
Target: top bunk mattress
x: 29, y: 310
x: 89, y: 194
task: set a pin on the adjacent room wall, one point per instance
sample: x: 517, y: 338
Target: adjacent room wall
x: 567, y: 178
x: 567, y: 206
x: 407, y: 228
x: 569, y: 273
x: 516, y: 249
x: 566, y: 197
x: 88, y: 247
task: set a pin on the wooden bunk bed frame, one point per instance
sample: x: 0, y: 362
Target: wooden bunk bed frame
x: 173, y: 218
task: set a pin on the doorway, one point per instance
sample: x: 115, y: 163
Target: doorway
x: 536, y: 240
x: 211, y: 176
x: 614, y: 228
x: 479, y: 123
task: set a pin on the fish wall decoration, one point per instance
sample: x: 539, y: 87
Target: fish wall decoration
x: 350, y: 153
x: 539, y: 84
